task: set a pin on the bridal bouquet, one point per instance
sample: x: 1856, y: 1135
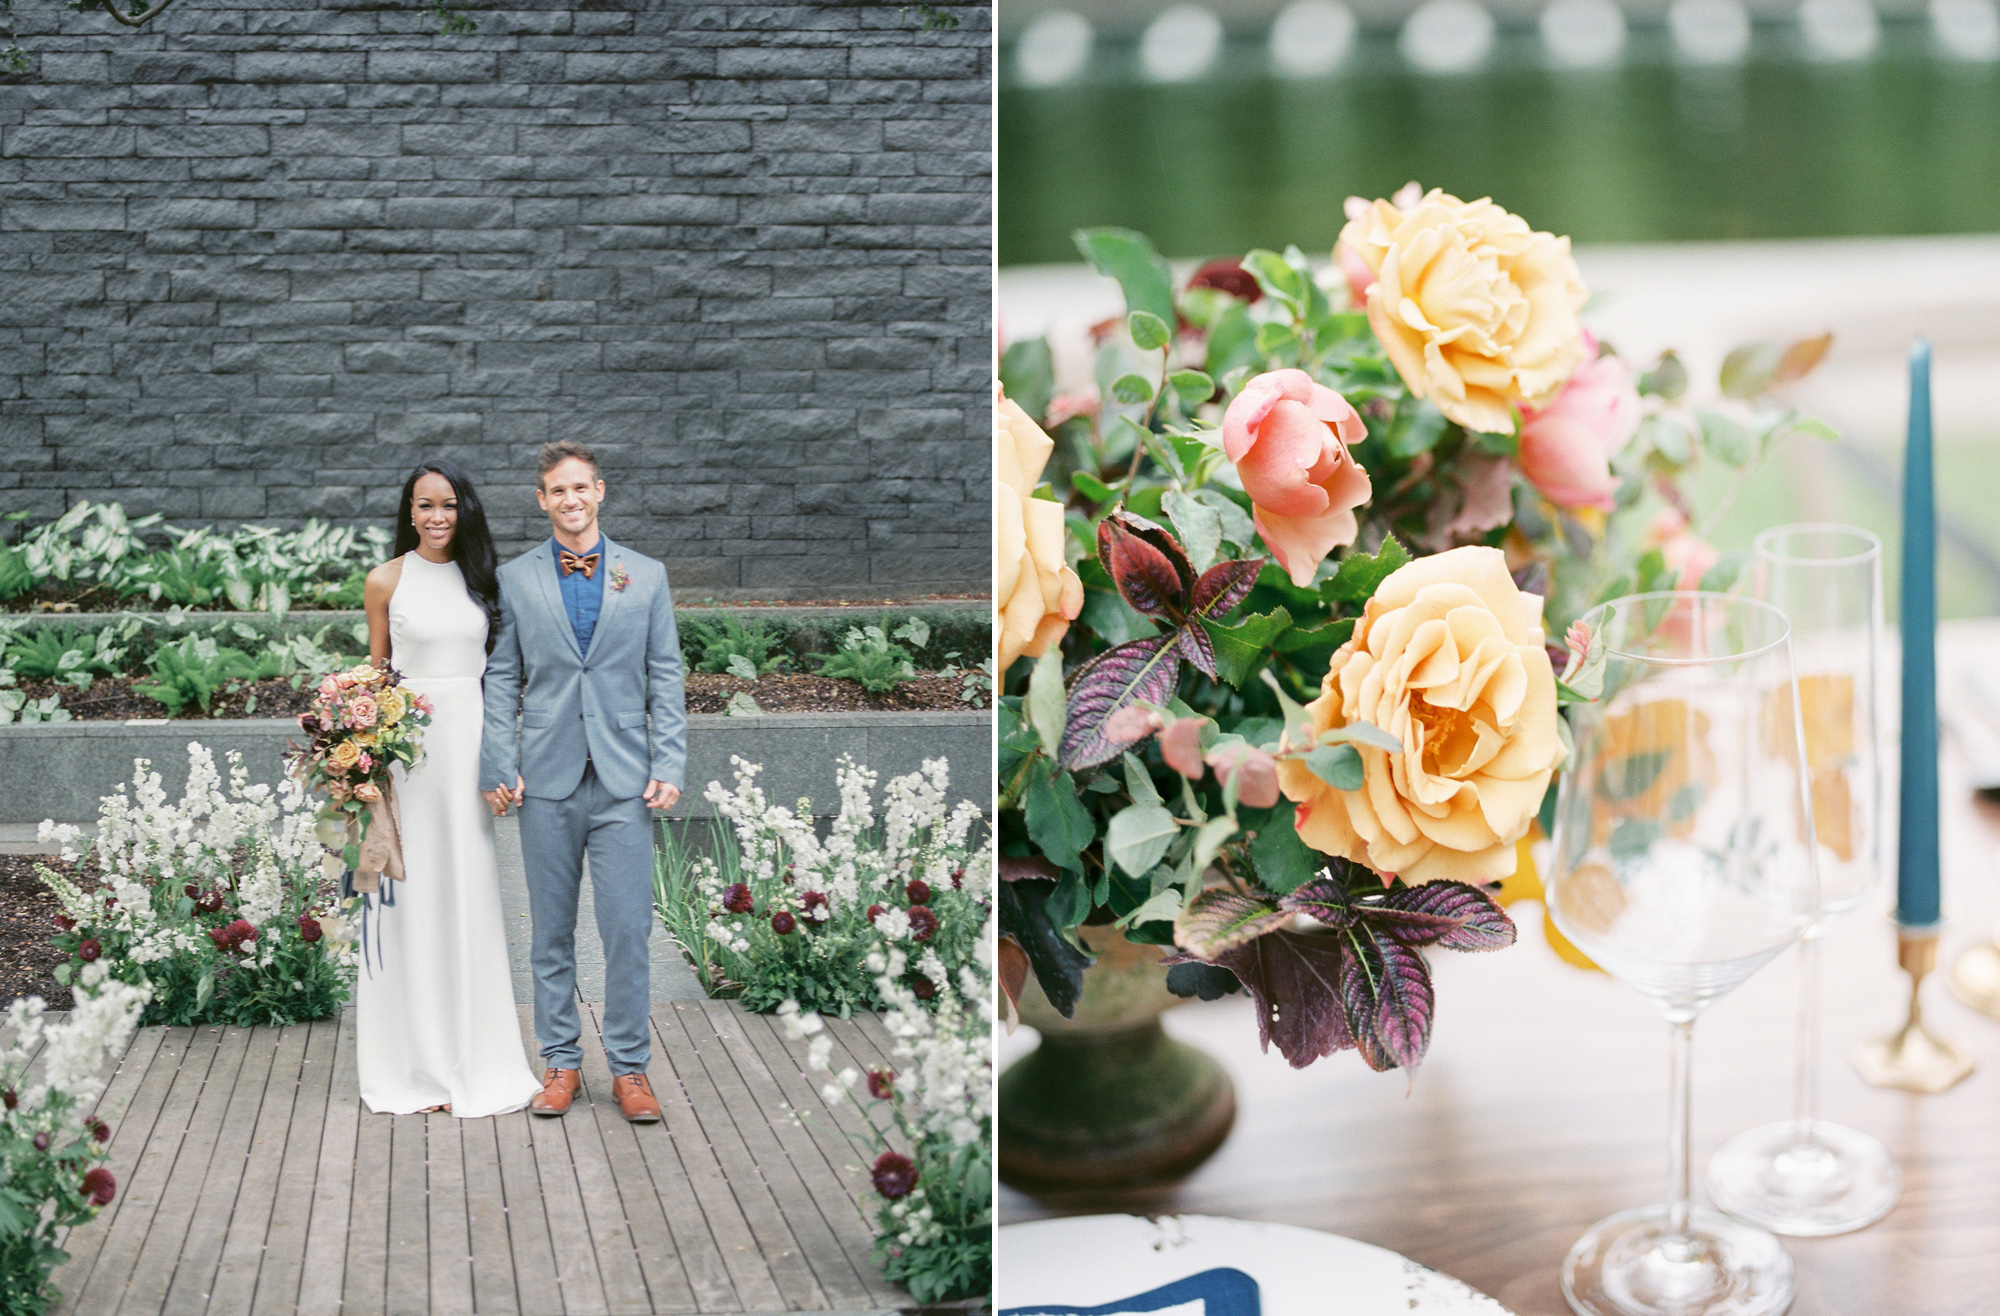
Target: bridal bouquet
x: 361, y: 721
x: 1277, y: 632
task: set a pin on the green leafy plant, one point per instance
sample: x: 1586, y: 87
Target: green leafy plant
x: 192, y: 671
x: 728, y: 643
x: 871, y: 658
x: 15, y: 706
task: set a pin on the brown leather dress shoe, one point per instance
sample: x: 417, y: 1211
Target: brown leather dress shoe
x: 559, y: 1088
x: 635, y: 1098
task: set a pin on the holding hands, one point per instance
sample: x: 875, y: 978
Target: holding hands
x: 500, y: 797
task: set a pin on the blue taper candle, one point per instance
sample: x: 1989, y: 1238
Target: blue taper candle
x: 1917, y: 900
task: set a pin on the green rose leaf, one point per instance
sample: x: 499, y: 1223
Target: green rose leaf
x: 1748, y: 370
x: 1140, y: 270
x: 1138, y: 837
x: 1359, y: 575
x: 1058, y: 823
x: 1028, y: 373
x: 1200, y: 526
x: 1045, y: 705
x: 1192, y: 387
x: 1242, y: 648
x: 1283, y: 862
x: 1149, y: 331
x: 1132, y: 389
x: 1339, y: 766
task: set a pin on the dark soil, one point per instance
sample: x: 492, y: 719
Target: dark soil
x: 27, y: 920
x: 112, y: 699
x: 93, y: 598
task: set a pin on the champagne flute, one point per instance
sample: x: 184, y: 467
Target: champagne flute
x: 1804, y: 1176
x: 1684, y: 861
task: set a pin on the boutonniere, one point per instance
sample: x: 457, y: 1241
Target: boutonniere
x: 619, y: 580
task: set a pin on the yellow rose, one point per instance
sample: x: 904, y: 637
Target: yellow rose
x: 1448, y: 658
x: 344, y: 756
x: 390, y: 705
x: 1476, y: 310
x: 1037, y: 594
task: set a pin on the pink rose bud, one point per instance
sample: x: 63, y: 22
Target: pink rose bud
x: 1255, y: 771
x: 368, y: 791
x: 1288, y: 436
x: 1567, y: 446
x: 1180, y: 746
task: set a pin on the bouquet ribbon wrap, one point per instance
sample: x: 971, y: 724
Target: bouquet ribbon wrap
x: 380, y: 843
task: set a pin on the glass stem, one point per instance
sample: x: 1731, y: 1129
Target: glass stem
x: 1807, y: 1090
x: 1680, y: 1084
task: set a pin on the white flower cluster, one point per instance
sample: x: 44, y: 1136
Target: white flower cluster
x: 76, y: 1050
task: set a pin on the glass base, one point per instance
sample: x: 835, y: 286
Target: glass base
x: 1838, y: 1180
x: 1628, y: 1265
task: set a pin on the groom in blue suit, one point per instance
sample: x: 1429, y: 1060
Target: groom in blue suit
x: 588, y: 628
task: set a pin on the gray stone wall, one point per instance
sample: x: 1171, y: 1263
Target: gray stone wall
x: 258, y: 259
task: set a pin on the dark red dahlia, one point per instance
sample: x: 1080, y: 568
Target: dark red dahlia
x: 191, y: 891
x: 813, y: 899
x: 65, y: 922
x: 242, y: 931
x: 1226, y: 274
x: 736, y: 898
x: 309, y: 929
x: 923, y: 923
x: 923, y: 988
x: 89, y: 950
x: 919, y: 892
x: 881, y: 1083
x: 10, y: 1097
x: 894, y: 1175
x: 99, y: 1186
x: 220, y: 936
x: 209, y: 901
x: 958, y: 877
x: 783, y: 923
x: 110, y: 902
x: 100, y: 1131
x: 42, y: 1141
x: 873, y: 911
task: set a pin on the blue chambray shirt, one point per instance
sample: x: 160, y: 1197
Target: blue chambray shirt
x: 582, y: 597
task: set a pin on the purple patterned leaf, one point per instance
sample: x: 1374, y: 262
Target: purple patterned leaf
x: 1221, y: 919
x: 1449, y: 914
x: 1147, y: 564
x: 1385, y: 991
x: 1324, y: 899
x: 1147, y: 669
x: 1295, y: 980
x: 1223, y: 586
x: 1197, y: 648
x: 1024, y: 868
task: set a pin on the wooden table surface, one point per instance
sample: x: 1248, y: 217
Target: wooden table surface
x: 1542, y: 1107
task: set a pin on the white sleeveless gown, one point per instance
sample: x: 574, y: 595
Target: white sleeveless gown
x: 434, y: 1008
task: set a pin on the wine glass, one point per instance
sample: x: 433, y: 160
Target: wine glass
x: 1804, y: 1176
x: 1684, y: 861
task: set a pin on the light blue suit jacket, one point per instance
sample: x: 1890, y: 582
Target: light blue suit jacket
x: 582, y: 706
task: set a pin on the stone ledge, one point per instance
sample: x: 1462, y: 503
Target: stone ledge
x: 60, y: 769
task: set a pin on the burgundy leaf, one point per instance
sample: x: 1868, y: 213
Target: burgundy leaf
x: 1163, y: 539
x: 1295, y: 979
x: 1197, y: 648
x: 1324, y: 899
x: 1220, y: 919
x: 1148, y: 670
x: 1021, y: 867
x: 1013, y: 964
x: 1385, y: 989
x: 1146, y: 572
x: 1449, y: 914
x: 1225, y: 585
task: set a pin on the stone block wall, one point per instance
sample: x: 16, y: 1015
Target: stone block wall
x: 258, y: 259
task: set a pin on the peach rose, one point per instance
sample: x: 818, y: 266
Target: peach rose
x: 1476, y: 310
x: 1288, y: 437
x: 368, y: 792
x: 344, y: 756
x: 1448, y: 658
x: 393, y: 705
x: 1567, y: 446
x: 1037, y: 593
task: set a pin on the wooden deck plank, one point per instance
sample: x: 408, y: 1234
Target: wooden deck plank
x: 282, y: 1252
x: 450, y: 1230
x: 611, y: 1236
x: 486, y: 1218
x: 828, y: 1125
x: 770, y: 1231
x: 742, y: 1270
x: 167, y: 1240
x: 322, y: 1268
x: 630, y: 1151
x: 407, y: 1277
x: 363, y: 1285
x: 181, y: 1064
x: 528, y: 1237
x: 129, y: 1104
x: 751, y: 1099
x: 221, y: 1181
x: 562, y: 1202
x: 242, y: 1237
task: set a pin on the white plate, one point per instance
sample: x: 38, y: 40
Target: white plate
x: 1113, y: 1262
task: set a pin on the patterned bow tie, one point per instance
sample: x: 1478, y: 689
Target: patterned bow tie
x: 586, y: 564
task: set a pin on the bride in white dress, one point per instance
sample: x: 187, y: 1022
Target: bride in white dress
x: 435, y: 1024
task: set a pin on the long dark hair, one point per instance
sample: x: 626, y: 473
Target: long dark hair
x: 471, y: 542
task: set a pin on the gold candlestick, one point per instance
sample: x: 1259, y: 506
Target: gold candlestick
x: 1914, y: 1058
x: 1975, y: 976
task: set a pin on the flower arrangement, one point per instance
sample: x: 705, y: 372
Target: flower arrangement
x: 1302, y: 709
x: 216, y: 904
x: 362, y: 720
x: 779, y: 913
x: 934, y: 1220
x: 51, y: 1145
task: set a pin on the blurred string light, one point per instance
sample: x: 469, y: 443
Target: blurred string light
x: 1838, y: 31
x: 1054, y: 48
x: 1709, y: 31
x: 1583, y: 34
x: 1180, y: 44
x: 1311, y: 38
x: 1966, y: 29
x: 1447, y: 36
